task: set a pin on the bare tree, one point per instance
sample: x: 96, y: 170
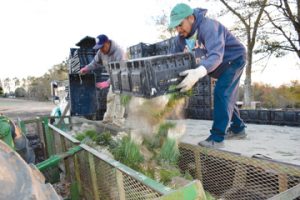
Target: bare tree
x: 249, y: 14
x: 161, y: 23
x: 284, y: 16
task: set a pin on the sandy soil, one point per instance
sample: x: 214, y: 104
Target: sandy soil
x: 24, y: 109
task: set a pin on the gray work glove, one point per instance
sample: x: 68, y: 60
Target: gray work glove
x: 191, y: 78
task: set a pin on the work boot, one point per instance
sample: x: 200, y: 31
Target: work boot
x: 230, y: 135
x: 210, y: 143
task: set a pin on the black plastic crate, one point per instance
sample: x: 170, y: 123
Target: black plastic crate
x: 152, y: 76
x: 82, y: 94
x: 277, y: 117
x: 250, y: 116
x: 141, y: 50
x: 290, y: 116
x: 253, y: 116
x: 101, y: 102
x: 125, y: 77
x: 137, y: 76
x: 100, y: 74
x: 163, y: 72
x: 200, y: 101
x: 244, y: 115
x: 165, y: 47
x: 115, y: 76
x: 264, y: 116
x: 199, y: 113
x: 80, y: 58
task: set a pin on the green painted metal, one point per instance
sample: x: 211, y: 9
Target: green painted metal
x: 50, y: 162
x: 77, y: 174
x: 55, y: 159
x: 74, y: 191
x: 191, y: 191
x: 5, y: 131
x: 49, y: 137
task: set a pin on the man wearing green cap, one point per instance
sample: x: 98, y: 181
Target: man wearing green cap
x: 225, y: 60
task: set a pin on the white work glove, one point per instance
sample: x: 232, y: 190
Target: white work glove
x: 192, y: 76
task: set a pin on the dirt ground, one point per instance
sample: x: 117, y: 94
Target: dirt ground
x: 24, y: 109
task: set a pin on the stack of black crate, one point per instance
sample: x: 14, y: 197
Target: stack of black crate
x: 272, y: 117
x: 79, y: 58
x: 141, y: 50
x: 200, y: 104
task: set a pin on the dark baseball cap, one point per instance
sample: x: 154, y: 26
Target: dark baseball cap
x: 100, y: 40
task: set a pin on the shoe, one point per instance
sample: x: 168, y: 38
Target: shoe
x: 209, y: 143
x: 230, y: 135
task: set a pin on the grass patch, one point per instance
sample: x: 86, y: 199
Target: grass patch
x: 128, y: 153
x: 166, y: 174
x: 169, y: 152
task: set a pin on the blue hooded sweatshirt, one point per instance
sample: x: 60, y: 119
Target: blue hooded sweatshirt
x: 221, y: 45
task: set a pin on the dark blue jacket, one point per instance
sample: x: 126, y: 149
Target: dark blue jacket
x: 221, y: 45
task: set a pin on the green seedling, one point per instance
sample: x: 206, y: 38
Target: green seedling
x: 167, y: 174
x: 169, y: 152
x: 128, y: 153
x: 125, y: 99
x: 104, y: 138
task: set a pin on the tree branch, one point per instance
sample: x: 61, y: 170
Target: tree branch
x: 284, y: 34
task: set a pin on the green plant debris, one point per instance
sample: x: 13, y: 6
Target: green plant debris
x: 128, y: 153
x: 148, y: 171
x: 125, y: 99
x: 174, y: 99
x: 104, y: 138
x: 169, y: 152
x: 161, y: 135
x: 209, y: 196
x: 92, y: 134
x: 80, y: 136
x: 166, y: 174
x: 187, y: 175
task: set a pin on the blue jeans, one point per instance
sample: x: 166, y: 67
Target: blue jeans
x: 225, y: 96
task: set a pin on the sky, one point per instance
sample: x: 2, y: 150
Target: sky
x: 38, y: 34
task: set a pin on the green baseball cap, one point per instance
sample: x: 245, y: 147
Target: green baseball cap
x: 178, y: 13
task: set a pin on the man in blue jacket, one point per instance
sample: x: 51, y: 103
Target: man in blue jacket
x: 225, y: 61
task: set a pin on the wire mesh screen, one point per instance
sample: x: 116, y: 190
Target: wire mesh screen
x: 85, y: 175
x: 99, y: 179
x: 228, y: 175
x: 136, y: 190
x: 107, y: 189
